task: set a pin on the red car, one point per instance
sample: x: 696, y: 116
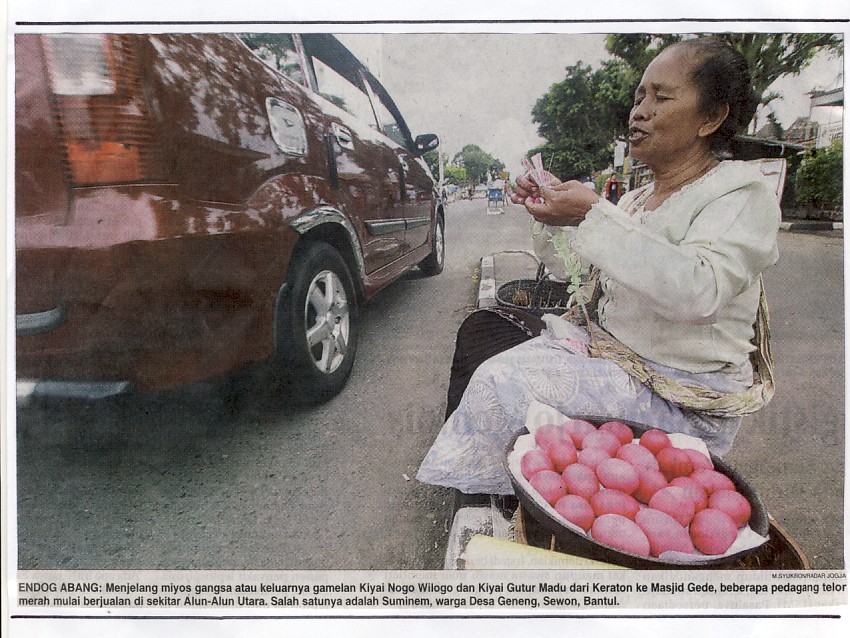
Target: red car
x: 186, y: 205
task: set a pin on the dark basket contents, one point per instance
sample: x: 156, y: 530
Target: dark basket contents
x: 538, y: 296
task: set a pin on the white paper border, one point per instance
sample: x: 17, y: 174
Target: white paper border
x: 784, y: 16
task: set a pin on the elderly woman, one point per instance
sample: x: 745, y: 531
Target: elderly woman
x: 679, y: 264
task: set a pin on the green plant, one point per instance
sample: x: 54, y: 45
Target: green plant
x: 819, y: 180
x: 576, y: 271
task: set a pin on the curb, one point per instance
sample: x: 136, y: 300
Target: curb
x: 487, y: 283
x: 813, y: 225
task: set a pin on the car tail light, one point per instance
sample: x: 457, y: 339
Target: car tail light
x: 106, y: 125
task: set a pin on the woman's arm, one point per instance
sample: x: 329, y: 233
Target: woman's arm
x: 728, y: 244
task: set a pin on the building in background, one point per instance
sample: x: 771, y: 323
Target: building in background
x: 827, y: 108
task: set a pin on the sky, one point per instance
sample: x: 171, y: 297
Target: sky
x: 474, y: 88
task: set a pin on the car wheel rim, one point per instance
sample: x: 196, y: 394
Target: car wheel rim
x: 327, y: 321
x: 439, y: 245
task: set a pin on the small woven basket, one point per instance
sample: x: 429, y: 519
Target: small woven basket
x: 538, y: 296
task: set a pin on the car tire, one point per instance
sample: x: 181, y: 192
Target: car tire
x: 317, y: 324
x: 434, y: 262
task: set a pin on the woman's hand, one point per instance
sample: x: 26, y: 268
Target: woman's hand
x: 564, y: 204
x: 526, y: 187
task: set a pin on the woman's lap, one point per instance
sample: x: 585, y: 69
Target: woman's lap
x: 468, y: 452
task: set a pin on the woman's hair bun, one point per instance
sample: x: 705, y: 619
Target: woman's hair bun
x: 723, y: 77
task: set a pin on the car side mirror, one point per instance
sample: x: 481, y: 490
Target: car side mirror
x: 426, y: 142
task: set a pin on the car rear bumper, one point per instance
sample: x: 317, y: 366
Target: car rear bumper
x: 34, y: 323
x: 88, y: 390
x: 134, y: 285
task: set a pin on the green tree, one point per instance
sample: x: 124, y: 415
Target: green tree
x: 432, y: 159
x: 769, y: 56
x: 480, y: 165
x: 819, y: 179
x: 496, y: 168
x: 637, y: 50
x: 455, y: 175
x: 773, y: 55
x: 581, y: 116
x: 451, y: 174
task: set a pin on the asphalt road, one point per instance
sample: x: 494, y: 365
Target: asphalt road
x: 793, y: 451
x: 219, y: 476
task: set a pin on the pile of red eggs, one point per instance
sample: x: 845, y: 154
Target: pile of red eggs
x: 646, y: 497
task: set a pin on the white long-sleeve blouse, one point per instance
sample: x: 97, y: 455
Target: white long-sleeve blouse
x: 680, y: 283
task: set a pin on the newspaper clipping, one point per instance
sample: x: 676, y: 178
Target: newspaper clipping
x: 590, y: 264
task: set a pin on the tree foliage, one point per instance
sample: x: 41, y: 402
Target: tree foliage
x: 480, y: 166
x: 768, y: 55
x: 637, y: 50
x: 432, y: 159
x: 773, y: 55
x: 582, y: 115
x: 455, y: 175
x: 451, y: 174
x: 819, y: 179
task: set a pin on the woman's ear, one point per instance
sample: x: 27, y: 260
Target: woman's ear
x: 713, y: 120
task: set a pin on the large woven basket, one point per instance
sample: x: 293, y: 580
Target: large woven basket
x: 780, y: 552
x: 572, y: 542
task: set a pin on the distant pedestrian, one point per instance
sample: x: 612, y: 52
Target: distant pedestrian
x: 612, y: 189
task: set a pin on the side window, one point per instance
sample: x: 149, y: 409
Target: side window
x: 277, y: 51
x: 389, y: 125
x: 342, y: 92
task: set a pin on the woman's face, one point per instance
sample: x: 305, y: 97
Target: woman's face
x: 667, y: 125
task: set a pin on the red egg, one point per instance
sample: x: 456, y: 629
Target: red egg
x: 581, y: 480
x: 651, y: 480
x: 712, y: 480
x: 614, y: 502
x: 618, y: 475
x: 533, y: 462
x: 619, y: 429
x: 713, y: 531
x: 699, y: 460
x: 664, y: 532
x: 733, y: 503
x: 562, y: 454
x: 694, y: 490
x: 576, y: 510
x: 593, y: 456
x: 549, y: 434
x: 603, y: 439
x: 578, y: 429
x: 655, y: 440
x: 674, y: 462
x: 621, y: 533
x: 674, y: 501
x: 637, y: 455
x: 549, y: 484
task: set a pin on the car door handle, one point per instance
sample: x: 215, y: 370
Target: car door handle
x: 343, y: 136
